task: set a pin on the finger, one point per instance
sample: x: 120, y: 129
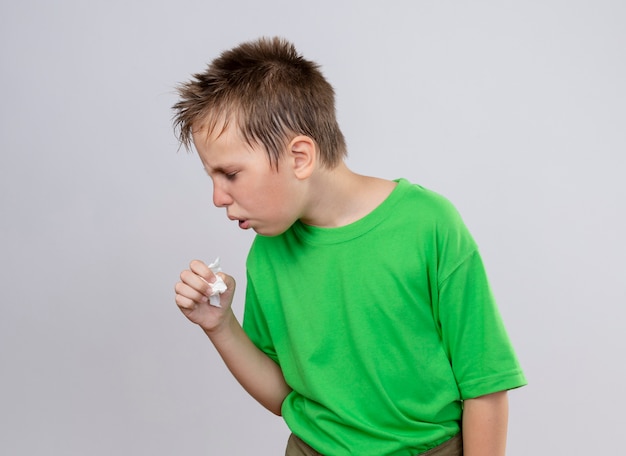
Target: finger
x: 185, y: 291
x: 196, y: 282
x: 201, y: 269
x: 228, y: 280
x: 185, y: 304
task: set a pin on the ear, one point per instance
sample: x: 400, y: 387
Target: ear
x: 303, y: 156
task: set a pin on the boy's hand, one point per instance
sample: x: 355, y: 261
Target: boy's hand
x: 192, y: 296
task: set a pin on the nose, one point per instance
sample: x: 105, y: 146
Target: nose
x: 221, y: 198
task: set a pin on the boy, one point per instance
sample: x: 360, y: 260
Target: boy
x: 369, y: 323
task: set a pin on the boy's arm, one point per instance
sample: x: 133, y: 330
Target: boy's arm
x: 485, y: 421
x: 256, y: 372
x: 260, y: 376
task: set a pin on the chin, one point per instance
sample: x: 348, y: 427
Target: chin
x: 269, y: 232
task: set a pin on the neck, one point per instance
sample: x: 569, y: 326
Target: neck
x: 339, y: 197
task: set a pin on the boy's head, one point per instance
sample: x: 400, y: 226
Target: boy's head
x: 270, y: 93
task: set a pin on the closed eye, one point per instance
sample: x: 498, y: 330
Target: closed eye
x: 228, y: 174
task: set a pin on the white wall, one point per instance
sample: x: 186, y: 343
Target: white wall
x: 514, y: 110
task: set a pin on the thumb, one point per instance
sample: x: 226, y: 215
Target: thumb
x: 228, y: 280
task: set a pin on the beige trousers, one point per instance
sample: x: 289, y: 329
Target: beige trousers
x: 452, y: 447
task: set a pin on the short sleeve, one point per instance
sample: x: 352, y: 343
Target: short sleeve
x: 255, y: 323
x: 473, y: 334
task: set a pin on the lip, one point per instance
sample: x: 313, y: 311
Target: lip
x: 244, y: 224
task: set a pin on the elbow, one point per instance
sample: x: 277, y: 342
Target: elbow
x: 276, y: 406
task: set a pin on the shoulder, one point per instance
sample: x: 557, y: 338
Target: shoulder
x: 427, y: 204
x: 433, y: 215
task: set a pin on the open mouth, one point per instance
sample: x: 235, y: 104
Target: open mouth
x: 244, y: 224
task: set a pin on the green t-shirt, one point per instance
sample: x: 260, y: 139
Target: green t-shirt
x: 381, y: 327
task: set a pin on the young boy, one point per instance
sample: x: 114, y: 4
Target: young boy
x: 369, y: 324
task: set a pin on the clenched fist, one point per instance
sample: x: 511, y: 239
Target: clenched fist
x: 192, y: 296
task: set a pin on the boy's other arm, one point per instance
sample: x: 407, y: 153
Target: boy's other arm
x: 485, y: 421
x: 260, y: 376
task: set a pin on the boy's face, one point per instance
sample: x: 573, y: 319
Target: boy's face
x: 253, y: 192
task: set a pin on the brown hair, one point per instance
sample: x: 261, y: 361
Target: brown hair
x: 271, y: 92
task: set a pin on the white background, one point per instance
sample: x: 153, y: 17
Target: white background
x: 516, y: 111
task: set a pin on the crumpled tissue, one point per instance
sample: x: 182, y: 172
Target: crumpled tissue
x: 218, y: 287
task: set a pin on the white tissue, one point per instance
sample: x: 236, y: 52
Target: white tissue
x: 218, y: 287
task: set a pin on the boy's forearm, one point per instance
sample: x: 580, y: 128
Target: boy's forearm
x: 485, y: 421
x: 260, y: 376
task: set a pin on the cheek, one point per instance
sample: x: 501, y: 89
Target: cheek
x: 272, y: 188
x: 258, y: 196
